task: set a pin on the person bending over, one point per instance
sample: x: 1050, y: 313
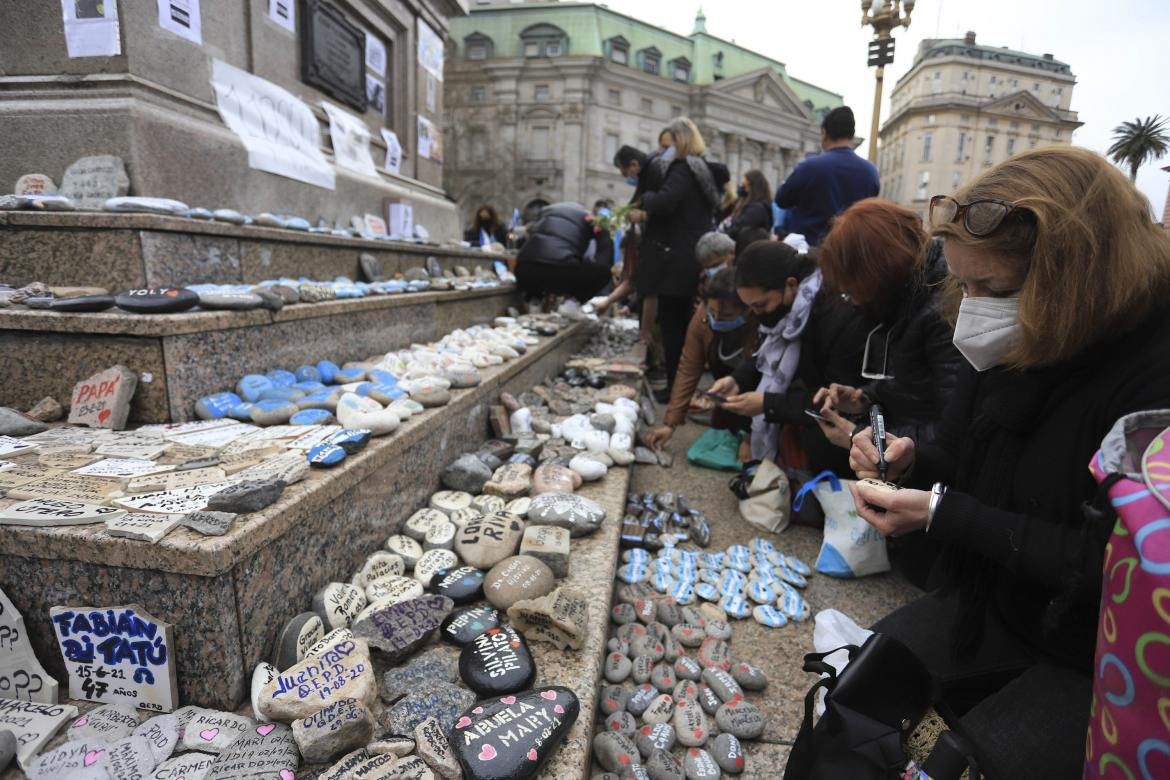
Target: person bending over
x: 564, y: 255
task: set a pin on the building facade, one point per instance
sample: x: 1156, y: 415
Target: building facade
x: 539, y: 97
x: 962, y: 108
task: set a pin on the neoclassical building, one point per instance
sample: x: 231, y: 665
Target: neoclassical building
x: 964, y: 107
x: 540, y: 95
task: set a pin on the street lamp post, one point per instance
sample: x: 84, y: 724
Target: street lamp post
x: 883, y: 16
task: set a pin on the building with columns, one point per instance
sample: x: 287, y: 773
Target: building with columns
x: 539, y: 96
x: 964, y: 107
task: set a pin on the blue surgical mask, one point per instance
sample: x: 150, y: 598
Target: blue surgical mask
x: 668, y: 153
x: 711, y: 272
x: 632, y: 181
x: 725, y: 326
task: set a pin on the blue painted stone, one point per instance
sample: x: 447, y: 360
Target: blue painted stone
x: 307, y: 374
x: 381, y: 376
x: 351, y: 439
x: 272, y: 411
x: 761, y: 593
x: 324, y: 455
x: 311, y: 417
x: 322, y: 399
x: 636, y: 554
x: 348, y: 291
x: 632, y: 572
x: 712, y: 560
x: 362, y: 389
x: 282, y: 394
x: 384, y: 394
x: 792, y: 578
x: 216, y: 406
x: 793, y: 605
x: 297, y: 223
x: 199, y: 213
x: 251, y: 386
x: 743, y: 564
x: 345, y: 375
x: 762, y: 545
x: 683, y: 592
x: 737, y: 550
x: 707, y: 591
x: 732, y: 580
x: 242, y: 412
x: 327, y: 371
x: 282, y: 378
x: 712, y: 576
x: 769, y: 616
x: 662, y: 565
x: 797, y: 565
x: 736, y: 606
x: 309, y: 386
x: 662, y: 582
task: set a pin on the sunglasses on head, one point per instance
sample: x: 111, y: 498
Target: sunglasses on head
x: 980, y: 217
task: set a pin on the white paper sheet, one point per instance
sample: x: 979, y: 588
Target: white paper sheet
x: 430, y: 50
x: 393, y: 151
x: 429, y: 141
x: 284, y: 13
x: 432, y: 91
x: 91, y: 28
x: 375, y: 54
x: 376, y: 94
x: 279, y: 131
x: 182, y: 18
x: 351, y: 140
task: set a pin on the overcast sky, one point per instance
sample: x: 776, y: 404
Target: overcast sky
x: 1119, y: 50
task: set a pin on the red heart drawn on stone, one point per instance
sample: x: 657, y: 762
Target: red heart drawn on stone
x: 92, y: 756
x: 478, y: 710
x: 487, y: 753
x: 558, y: 709
x: 208, y: 734
x: 698, y: 733
x: 266, y: 729
x: 509, y: 699
x: 80, y: 722
x: 694, y: 752
x: 739, y: 762
x: 531, y: 754
x: 548, y: 695
x: 463, y: 722
x: 646, y: 730
x: 623, y: 758
x: 103, y: 415
x: 172, y: 293
x: 287, y: 774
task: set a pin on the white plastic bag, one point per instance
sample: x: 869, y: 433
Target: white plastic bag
x: 833, y: 629
x: 851, y: 547
x: 767, y: 504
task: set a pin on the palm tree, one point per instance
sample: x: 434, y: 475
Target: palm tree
x: 1138, y: 142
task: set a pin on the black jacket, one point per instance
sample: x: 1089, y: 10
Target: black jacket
x: 561, y: 236
x: 830, y: 351
x: 757, y: 214
x: 471, y: 235
x: 678, y: 214
x: 921, y: 356
x: 1014, y: 448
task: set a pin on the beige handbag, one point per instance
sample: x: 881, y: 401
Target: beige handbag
x: 768, y: 504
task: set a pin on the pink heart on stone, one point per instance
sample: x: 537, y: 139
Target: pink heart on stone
x: 508, y: 700
x: 531, y: 754
x: 548, y: 695
x: 463, y: 722
x: 208, y: 734
x: 80, y: 722
x: 487, y: 753
x: 559, y: 710
x: 478, y: 710
x: 287, y: 774
x: 266, y: 729
x: 92, y: 756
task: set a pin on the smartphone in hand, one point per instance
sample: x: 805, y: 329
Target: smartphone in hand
x: 719, y: 397
x: 816, y: 415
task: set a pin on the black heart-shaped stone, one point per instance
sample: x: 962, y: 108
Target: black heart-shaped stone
x: 511, y: 737
x: 497, y: 662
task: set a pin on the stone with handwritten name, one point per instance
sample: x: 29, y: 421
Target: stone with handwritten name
x: 435, y: 750
x: 333, y: 730
x: 313, y: 683
x: 497, y: 662
x: 327, y: 641
x: 464, y: 625
x: 94, y: 490
x: 397, y: 630
x: 208, y: 523
x: 380, y: 565
x: 180, y: 501
x: 406, y: 548
x: 549, y: 543
x: 243, y: 497
x: 447, y: 501
x: 441, y: 701
x: 91, y: 181
x: 488, y: 539
x: 267, y: 751
x: 24, y: 677
x: 142, y: 526
x: 107, y: 723
x: 161, y: 734
x: 580, y: 515
x: 390, y: 590
x: 190, y: 766
x: 517, y: 578
x: 431, y: 563
x: 64, y: 759
x: 512, y: 736
x: 103, y: 400
x: 298, y: 635
x: 36, y: 722
x: 129, y: 757
x: 341, y: 769
x: 561, y: 617
x: 263, y: 674
x: 211, y: 731
x: 338, y: 603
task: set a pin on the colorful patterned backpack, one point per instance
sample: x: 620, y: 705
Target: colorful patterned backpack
x: 1129, y: 726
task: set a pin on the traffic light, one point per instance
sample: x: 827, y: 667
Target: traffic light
x: 881, y: 51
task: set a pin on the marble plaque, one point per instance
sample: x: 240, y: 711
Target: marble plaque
x: 179, y: 501
x: 93, y: 489
x: 175, y: 480
x: 21, y: 674
x: 121, y: 467
x: 167, y: 430
x: 17, y: 474
x: 67, y: 461
x: 333, y: 54
x: 147, y: 448
x: 218, y: 437
x: 119, y: 655
x: 313, y: 437
x: 10, y: 445
x: 46, y: 512
x: 143, y: 526
x: 33, y: 724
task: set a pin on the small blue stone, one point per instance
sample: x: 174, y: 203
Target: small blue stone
x: 242, y: 412
x: 282, y: 394
x: 317, y: 399
x: 381, y: 376
x: 251, y: 386
x: 309, y: 386
x: 308, y: 374
x: 325, y: 455
x: 282, y: 378
x: 216, y: 406
x: 344, y: 376
x: 311, y: 417
x: 327, y: 371
x: 350, y: 439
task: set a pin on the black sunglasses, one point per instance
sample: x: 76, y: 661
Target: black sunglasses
x: 980, y: 217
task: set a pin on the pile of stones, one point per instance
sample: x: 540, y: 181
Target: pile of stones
x: 654, y: 521
x: 611, y: 338
x: 676, y: 704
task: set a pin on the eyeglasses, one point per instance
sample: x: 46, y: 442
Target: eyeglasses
x: 980, y: 217
x: 866, y: 371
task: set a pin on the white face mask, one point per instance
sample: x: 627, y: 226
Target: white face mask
x: 668, y: 153
x: 987, y: 330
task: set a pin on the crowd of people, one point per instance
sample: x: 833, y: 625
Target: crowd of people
x: 1001, y: 337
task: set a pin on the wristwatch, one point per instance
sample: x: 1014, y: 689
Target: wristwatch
x: 937, y: 491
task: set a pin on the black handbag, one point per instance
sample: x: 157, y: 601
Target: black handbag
x: 870, y: 710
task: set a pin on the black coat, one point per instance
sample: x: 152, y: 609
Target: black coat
x: 500, y: 234
x: 561, y: 237
x: 1014, y: 449
x: 678, y: 214
x: 921, y: 356
x: 757, y: 214
x: 830, y: 351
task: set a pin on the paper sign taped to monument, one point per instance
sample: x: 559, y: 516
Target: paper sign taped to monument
x: 428, y: 140
x: 284, y: 13
x: 375, y: 54
x: 91, y: 28
x: 182, y: 18
x: 33, y: 724
x: 393, y: 151
x: 117, y: 655
x: 430, y: 50
x: 21, y: 674
x: 279, y: 131
x: 351, y: 140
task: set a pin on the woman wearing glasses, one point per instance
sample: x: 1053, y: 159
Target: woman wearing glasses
x: 1065, y: 323
x: 879, y: 257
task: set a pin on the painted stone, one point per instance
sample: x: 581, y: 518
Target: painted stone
x: 333, y: 730
x: 657, y: 736
x: 690, y: 724
x: 740, y: 718
x: 462, y: 585
x: 379, y: 565
x: 211, y: 731
x: 431, y: 563
x: 399, y: 629
x: 406, y: 548
x: 298, y: 635
x: 209, y: 523
x: 497, y: 662
x: 48, y: 512
x: 517, y: 578
x: 267, y: 750
x: 580, y: 515
x: 728, y: 753
x: 463, y: 625
x: 485, y: 541
x: 338, y: 603
x: 103, y: 400
x: 491, y: 745
x: 561, y: 617
x: 422, y: 521
x: 312, y: 684
x: 550, y: 544
x: 441, y: 701
x: 615, y: 751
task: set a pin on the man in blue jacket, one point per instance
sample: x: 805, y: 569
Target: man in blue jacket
x: 823, y: 186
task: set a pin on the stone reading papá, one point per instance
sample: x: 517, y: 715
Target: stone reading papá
x: 120, y: 655
x: 103, y: 400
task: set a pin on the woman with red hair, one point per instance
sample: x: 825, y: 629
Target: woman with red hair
x: 879, y: 257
